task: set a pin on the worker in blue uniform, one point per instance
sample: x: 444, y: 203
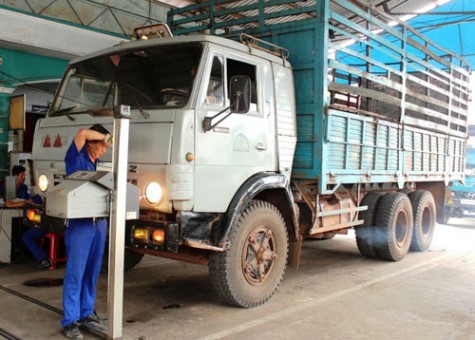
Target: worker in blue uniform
x: 21, y: 191
x: 31, y: 238
x: 84, y: 238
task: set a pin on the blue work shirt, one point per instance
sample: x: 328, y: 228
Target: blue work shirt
x: 78, y: 160
x: 23, y: 192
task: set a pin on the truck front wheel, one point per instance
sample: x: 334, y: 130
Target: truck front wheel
x: 446, y: 215
x: 423, y: 206
x: 249, y: 272
x: 131, y: 259
x: 394, y: 222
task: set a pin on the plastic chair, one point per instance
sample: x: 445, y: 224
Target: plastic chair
x: 54, y: 248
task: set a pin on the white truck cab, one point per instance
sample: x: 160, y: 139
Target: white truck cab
x: 212, y: 126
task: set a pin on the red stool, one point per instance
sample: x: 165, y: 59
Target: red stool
x: 54, y: 248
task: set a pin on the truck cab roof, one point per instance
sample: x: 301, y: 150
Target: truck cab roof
x: 201, y: 38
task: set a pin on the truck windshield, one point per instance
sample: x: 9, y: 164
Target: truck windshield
x: 154, y: 77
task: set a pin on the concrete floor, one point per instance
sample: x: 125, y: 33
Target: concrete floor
x: 336, y: 294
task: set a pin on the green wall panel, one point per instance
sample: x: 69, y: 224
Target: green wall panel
x: 19, y: 67
x: 4, y: 109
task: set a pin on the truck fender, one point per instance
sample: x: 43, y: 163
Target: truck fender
x: 272, y: 188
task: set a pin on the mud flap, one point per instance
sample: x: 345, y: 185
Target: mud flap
x: 172, y: 235
x: 294, y: 252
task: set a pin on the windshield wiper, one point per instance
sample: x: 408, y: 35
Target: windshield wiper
x: 101, y: 112
x: 66, y: 109
x: 58, y: 112
x: 144, y: 114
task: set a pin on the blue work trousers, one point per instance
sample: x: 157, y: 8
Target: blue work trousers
x: 85, y: 241
x: 31, y: 238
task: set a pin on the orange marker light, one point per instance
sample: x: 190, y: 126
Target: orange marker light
x: 159, y: 236
x: 33, y: 216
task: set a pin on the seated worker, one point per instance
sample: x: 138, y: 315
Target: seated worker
x: 31, y: 238
x: 22, y: 191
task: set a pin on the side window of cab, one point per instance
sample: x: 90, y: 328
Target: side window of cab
x: 215, y: 89
x: 239, y: 68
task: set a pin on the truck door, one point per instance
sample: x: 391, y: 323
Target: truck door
x: 239, y: 146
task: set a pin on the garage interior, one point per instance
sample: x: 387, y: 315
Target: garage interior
x: 336, y: 293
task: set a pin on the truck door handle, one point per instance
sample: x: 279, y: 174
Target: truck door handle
x: 261, y: 147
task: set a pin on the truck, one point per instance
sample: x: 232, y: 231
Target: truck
x: 258, y: 124
x: 460, y: 196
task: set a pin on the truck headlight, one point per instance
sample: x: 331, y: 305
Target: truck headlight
x: 153, y: 193
x: 43, y: 183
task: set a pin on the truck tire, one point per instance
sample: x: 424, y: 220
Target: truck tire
x: 328, y: 236
x: 394, y: 221
x: 446, y: 215
x: 249, y: 272
x: 131, y: 259
x: 423, y: 207
x: 365, y: 233
x: 324, y: 237
x: 458, y: 213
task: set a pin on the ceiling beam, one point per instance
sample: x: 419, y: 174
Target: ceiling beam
x: 46, y: 37
x: 433, y: 13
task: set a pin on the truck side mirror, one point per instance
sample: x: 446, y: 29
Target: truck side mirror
x: 240, y: 90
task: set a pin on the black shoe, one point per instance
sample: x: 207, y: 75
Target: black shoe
x: 91, y: 318
x: 44, y: 264
x: 72, y: 332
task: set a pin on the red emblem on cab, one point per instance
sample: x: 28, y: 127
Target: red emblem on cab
x: 58, y: 142
x: 47, y: 142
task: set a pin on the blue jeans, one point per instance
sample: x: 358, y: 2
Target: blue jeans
x: 31, y: 238
x: 85, y: 240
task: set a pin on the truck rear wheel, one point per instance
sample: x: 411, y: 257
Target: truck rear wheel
x: 423, y: 206
x: 365, y: 233
x: 395, y: 223
x: 248, y: 274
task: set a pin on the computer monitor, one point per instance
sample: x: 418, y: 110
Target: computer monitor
x: 10, y: 187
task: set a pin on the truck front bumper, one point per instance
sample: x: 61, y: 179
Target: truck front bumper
x: 153, y: 235
x: 455, y: 204
x: 194, y: 230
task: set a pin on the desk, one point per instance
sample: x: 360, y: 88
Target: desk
x: 6, y: 215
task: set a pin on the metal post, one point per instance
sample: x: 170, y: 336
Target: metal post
x: 117, y: 224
